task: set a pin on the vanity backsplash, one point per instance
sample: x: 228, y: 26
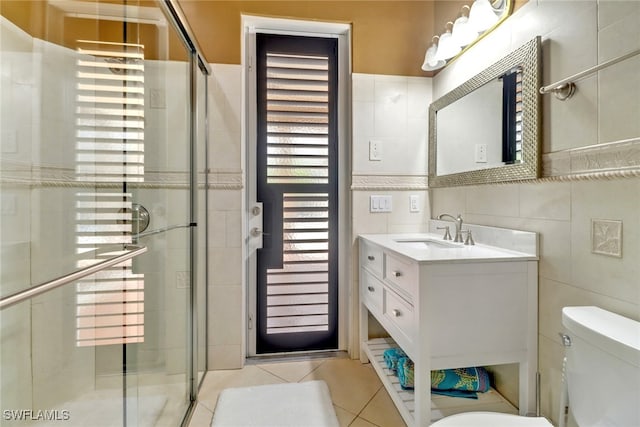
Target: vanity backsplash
x: 514, y: 240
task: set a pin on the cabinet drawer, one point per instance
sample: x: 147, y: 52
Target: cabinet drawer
x: 399, y: 312
x: 401, y: 273
x: 371, y: 257
x: 370, y: 290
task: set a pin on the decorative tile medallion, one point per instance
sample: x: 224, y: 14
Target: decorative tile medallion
x: 606, y: 237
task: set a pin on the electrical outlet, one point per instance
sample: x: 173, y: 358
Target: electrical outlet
x: 157, y: 98
x: 375, y: 150
x: 183, y: 280
x: 413, y: 203
x: 9, y: 141
x: 481, y: 153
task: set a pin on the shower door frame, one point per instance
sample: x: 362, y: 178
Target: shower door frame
x: 197, y: 63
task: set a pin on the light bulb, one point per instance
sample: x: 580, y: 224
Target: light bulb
x: 463, y: 33
x: 447, y: 48
x: 482, y: 15
x: 430, y: 61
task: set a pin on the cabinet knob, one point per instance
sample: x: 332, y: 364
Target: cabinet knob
x: 371, y: 288
x: 371, y: 258
x: 396, y: 312
x: 396, y: 273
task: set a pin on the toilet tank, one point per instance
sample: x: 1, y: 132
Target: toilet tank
x: 603, y: 367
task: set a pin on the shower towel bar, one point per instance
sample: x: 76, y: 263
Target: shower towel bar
x: 565, y: 88
x: 132, y: 251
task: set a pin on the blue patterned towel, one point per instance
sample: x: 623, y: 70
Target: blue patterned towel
x: 461, y: 382
x: 405, y: 373
x: 391, y: 357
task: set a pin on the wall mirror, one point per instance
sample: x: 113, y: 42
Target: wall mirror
x: 488, y: 129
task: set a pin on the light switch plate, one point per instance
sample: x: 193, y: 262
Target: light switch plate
x: 380, y: 204
x: 375, y: 150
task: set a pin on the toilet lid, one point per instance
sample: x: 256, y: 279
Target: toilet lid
x: 491, y: 419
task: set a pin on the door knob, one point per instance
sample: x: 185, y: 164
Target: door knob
x: 256, y: 232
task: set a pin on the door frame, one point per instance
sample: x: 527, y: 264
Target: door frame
x: 257, y: 24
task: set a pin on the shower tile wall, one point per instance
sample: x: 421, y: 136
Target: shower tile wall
x: 39, y: 234
x: 575, y: 35
x: 17, y: 77
x: 36, y: 227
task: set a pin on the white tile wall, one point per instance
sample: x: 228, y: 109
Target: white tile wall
x: 38, y: 227
x: 393, y: 110
x: 226, y: 297
x: 225, y: 103
x: 576, y: 35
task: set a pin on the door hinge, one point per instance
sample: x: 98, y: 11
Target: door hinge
x: 250, y: 323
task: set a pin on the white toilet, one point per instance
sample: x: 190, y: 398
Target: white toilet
x: 602, y: 371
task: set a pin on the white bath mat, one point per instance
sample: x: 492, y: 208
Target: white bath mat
x: 276, y: 405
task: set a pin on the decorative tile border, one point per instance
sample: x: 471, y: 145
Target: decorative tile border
x: 226, y: 180
x: 388, y: 182
x: 23, y: 174
x: 608, y: 160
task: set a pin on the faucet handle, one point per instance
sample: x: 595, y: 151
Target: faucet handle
x: 469, y: 239
x: 447, y: 234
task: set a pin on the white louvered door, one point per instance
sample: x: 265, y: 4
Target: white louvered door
x: 297, y: 185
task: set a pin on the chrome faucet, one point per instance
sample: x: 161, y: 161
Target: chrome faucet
x: 458, y: 221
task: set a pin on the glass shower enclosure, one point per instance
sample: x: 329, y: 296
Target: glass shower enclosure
x: 102, y: 180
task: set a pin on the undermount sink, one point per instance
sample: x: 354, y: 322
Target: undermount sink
x: 421, y: 243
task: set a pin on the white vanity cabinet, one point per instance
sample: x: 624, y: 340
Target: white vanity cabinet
x: 448, y: 308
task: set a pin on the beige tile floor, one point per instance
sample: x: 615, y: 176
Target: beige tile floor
x: 359, y: 397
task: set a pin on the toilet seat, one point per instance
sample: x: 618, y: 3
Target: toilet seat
x: 491, y: 419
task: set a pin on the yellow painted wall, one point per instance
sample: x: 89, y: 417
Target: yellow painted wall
x: 389, y: 37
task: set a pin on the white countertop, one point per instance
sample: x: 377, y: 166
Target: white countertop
x: 433, y: 253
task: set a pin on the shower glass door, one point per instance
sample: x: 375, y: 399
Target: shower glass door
x: 96, y: 160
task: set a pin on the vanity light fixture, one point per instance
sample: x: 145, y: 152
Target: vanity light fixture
x: 472, y: 24
x: 482, y: 15
x: 447, y: 47
x: 463, y: 31
x: 430, y: 62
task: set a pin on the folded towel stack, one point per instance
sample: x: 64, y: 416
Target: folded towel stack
x: 461, y: 382
x: 399, y: 363
x: 405, y: 373
x: 392, y: 356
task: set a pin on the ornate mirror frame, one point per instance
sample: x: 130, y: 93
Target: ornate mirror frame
x: 528, y: 57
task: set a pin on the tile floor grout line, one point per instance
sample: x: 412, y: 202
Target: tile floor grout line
x: 313, y: 370
x: 365, y: 405
x: 275, y: 375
